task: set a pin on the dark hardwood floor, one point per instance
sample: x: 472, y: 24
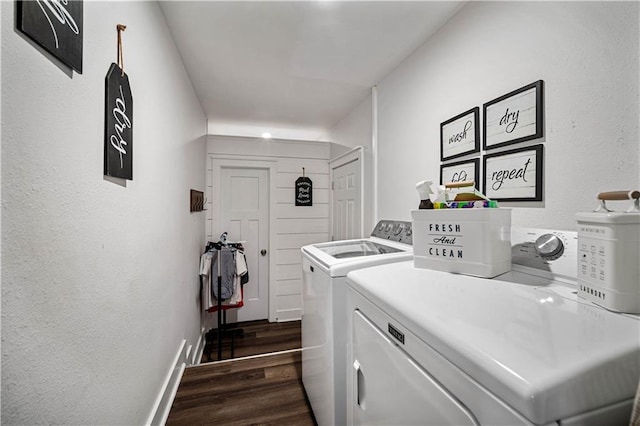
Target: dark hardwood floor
x: 260, y: 337
x: 264, y: 387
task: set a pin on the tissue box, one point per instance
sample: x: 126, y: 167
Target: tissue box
x: 464, y: 241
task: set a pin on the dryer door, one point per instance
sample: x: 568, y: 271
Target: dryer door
x: 389, y: 388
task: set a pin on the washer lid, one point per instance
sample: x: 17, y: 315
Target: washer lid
x: 357, y: 248
x: 340, y: 257
x: 545, y: 355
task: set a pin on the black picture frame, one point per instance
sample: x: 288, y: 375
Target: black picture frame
x: 523, y: 166
x: 460, y: 135
x: 503, y: 126
x: 57, y: 27
x: 460, y: 172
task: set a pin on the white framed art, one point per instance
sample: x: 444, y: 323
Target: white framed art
x: 461, y: 171
x: 514, y: 117
x: 460, y: 135
x: 514, y: 175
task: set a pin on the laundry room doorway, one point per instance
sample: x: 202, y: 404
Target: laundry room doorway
x: 346, y: 196
x: 244, y: 208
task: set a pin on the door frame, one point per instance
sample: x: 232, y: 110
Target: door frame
x: 214, y: 218
x: 355, y: 154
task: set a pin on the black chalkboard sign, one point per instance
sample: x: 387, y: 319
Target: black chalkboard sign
x: 118, y: 125
x: 55, y: 25
x: 304, y: 191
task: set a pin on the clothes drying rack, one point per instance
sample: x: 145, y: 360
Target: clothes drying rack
x: 222, y: 329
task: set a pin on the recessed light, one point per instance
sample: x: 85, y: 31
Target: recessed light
x: 266, y: 135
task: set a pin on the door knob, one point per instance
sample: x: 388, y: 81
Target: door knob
x: 263, y: 252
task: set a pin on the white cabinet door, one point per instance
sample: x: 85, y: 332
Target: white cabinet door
x: 389, y: 388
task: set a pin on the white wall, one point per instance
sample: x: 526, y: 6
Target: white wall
x: 291, y: 227
x: 99, y: 280
x: 356, y: 130
x: 336, y: 150
x: 587, y: 53
x: 277, y: 131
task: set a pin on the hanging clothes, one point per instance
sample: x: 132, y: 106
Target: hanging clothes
x: 206, y: 292
x: 241, y: 263
x: 229, y: 264
x: 244, y: 276
x: 241, y: 270
x: 226, y: 270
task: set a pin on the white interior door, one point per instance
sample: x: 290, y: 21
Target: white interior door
x: 245, y: 216
x: 347, y: 205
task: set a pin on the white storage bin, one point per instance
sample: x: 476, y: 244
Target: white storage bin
x: 464, y: 241
x: 609, y: 259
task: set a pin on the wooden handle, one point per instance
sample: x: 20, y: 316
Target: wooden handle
x: 619, y: 195
x: 468, y: 196
x: 460, y: 184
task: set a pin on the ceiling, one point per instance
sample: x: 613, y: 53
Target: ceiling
x: 294, y: 68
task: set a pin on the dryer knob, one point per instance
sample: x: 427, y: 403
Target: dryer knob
x: 549, y: 245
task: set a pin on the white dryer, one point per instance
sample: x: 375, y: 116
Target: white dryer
x: 429, y: 347
x: 324, y: 316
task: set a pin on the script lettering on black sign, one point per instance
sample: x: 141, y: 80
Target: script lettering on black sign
x: 118, y: 143
x: 304, y: 191
x: 56, y: 25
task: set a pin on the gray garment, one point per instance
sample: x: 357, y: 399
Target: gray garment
x: 227, y: 271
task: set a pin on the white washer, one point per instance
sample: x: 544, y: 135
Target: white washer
x: 324, y: 317
x: 429, y: 347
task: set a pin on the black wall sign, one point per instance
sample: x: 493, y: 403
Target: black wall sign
x: 118, y: 125
x: 304, y: 191
x: 56, y: 25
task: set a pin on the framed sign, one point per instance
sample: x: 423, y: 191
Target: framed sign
x: 118, y: 125
x: 514, y: 175
x: 304, y: 191
x: 460, y: 135
x: 56, y: 25
x: 514, y: 117
x: 460, y: 172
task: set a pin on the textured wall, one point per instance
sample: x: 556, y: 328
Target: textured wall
x: 587, y: 53
x: 99, y: 281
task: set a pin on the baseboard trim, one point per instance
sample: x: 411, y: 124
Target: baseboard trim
x: 197, y: 354
x: 289, y: 315
x: 162, y: 406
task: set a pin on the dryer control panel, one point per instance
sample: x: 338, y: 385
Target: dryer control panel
x: 545, y: 252
x: 394, y: 230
